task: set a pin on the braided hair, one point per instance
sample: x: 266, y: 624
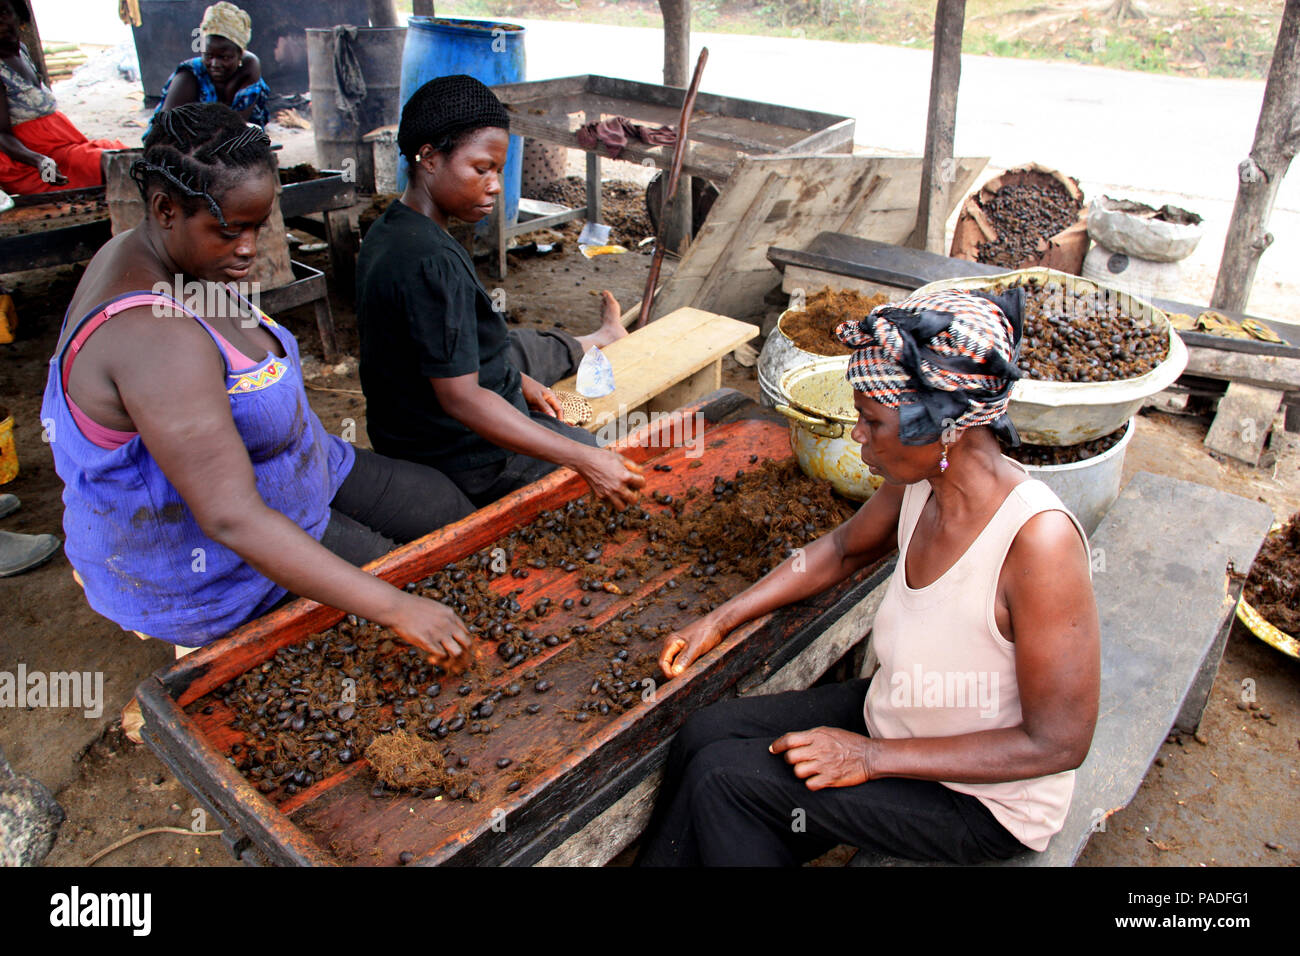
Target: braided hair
x: 190, y: 149
x: 445, y: 112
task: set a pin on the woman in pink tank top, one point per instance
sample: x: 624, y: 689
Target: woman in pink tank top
x: 962, y: 745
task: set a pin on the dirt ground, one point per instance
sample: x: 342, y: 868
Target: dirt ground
x: 1222, y: 799
x: 1217, y: 802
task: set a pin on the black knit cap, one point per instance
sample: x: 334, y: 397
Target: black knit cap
x: 444, y: 107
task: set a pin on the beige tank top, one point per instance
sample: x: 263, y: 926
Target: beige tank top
x: 945, y: 669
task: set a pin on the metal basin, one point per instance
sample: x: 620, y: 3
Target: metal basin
x: 819, y: 404
x: 779, y: 355
x: 1089, y: 487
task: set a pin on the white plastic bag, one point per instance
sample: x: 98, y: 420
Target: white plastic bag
x: 1139, y: 230
x: 595, y: 375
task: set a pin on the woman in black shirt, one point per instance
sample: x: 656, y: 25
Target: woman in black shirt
x: 446, y: 383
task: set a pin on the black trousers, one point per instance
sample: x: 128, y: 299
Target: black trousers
x: 385, y: 502
x: 727, y: 801
x: 547, y: 357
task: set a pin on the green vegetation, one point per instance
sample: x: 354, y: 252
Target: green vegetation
x: 1182, y: 37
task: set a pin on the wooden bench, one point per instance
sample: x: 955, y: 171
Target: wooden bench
x: 670, y: 363
x: 1166, y: 603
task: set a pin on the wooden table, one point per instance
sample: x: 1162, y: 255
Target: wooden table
x: 722, y: 129
x: 666, y: 365
x: 583, y: 767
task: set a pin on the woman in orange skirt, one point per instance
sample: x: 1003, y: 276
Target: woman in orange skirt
x: 40, y: 149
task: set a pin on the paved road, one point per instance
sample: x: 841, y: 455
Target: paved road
x: 1139, y: 135
x: 1169, y: 134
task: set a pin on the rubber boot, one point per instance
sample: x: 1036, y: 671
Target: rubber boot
x: 22, y: 552
x: 8, y: 505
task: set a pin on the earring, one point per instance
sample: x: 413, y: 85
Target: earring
x: 943, y: 461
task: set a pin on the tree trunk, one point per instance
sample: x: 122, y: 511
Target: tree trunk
x: 1277, y: 138
x: 383, y: 13
x: 1122, y: 10
x: 677, y: 51
x: 677, y: 41
x: 939, y: 169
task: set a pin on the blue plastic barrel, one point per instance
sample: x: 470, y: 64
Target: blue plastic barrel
x: 490, y: 52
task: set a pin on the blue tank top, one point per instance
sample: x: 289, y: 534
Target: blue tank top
x: 143, y: 560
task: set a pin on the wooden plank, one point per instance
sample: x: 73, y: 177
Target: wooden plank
x: 817, y: 194
x: 517, y: 95
x: 613, y: 831
x: 809, y: 281
x: 1264, y: 371
x: 771, y: 114
x: 660, y: 355
x: 832, y: 139
x: 1242, y: 422
x: 53, y: 247
x: 708, y: 293
x: 690, y: 389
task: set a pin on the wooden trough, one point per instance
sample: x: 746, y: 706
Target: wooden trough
x: 579, y: 768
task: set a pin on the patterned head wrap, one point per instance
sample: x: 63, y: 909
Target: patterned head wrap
x: 227, y: 20
x: 943, y: 359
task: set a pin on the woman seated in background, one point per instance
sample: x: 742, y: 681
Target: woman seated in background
x: 225, y: 72
x: 200, y: 487
x: 40, y: 149
x: 962, y: 746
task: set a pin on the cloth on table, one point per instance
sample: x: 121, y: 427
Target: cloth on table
x: 616, y: 131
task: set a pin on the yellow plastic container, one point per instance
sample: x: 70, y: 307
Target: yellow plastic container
x: 8, y: 319
x: 8, y: 453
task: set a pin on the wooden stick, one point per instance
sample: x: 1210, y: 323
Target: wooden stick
x: 674, y: 173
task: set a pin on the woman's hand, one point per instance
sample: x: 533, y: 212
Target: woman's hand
x: 688, y: 645
x: 540, y: 398
x: 826, y: 756
x: 611, y: 476
x: 432, y: 627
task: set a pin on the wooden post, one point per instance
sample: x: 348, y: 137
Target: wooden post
x: 677, y: 216
x: 1277, y: 138
x: 383, y: 13
x: 31, y: 37
x: 677, y: 41
x: 422, y: 8
x: 939, y: 170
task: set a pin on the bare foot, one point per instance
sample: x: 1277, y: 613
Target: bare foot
x: 611, y: 325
